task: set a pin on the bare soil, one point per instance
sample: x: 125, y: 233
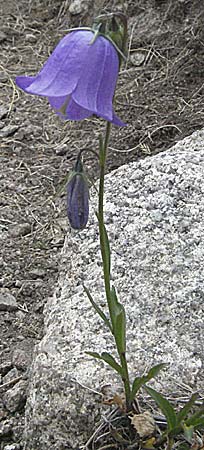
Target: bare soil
x: 160, y: 95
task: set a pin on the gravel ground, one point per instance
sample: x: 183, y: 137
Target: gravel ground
x: 159, y: 95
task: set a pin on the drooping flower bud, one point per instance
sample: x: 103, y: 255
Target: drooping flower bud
x: 78, y: 197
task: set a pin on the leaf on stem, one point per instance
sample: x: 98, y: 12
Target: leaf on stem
x: 198, y: 415
x: 188, y: 432
x: 196, y: 422
x: 140, y: 381
x: 118, y: 321
x: 107, y: 358
x: 182, y: 414
x: 165, y: 407
x: 98, y: 309
x: 106, y: 248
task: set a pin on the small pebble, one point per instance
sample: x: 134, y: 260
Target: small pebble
x: 7, y: 300
x: 9, y: 130
x: 21, y: 230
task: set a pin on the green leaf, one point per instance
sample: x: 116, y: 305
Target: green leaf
x: 140, y: 381
x: 106, y: 248
x: 196, y: 422
x: 199, y: 414
x: 175, y: 431
x: 98, y: 309
x: 188, y: 432
x: 165, y: 407
x: 114, y: 306
x: 108, y: 359
x: 153, y: 372
x: 120, y: 330
x: 118, y: 437
x: 183, y: 446
x: 118, y: 321
x: 136, y: 385
x: 182, y: 414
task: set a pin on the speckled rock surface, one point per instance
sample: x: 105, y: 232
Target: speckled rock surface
x: 155, y: 219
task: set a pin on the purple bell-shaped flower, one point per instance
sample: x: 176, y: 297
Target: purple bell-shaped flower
x: 79, y: 77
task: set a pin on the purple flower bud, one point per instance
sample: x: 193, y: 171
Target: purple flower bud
x: 78, y: 200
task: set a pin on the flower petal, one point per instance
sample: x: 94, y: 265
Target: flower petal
x: 95, y: 88
x: 68, y: 109
x: 24, y: 82
x: 76, y: 112
x: 60, y: 74
x: 117, y: 121
x: 59, y: 104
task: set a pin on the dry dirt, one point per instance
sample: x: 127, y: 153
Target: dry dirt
x: 160, y: 95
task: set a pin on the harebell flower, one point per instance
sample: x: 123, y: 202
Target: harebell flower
x: 79, y: 81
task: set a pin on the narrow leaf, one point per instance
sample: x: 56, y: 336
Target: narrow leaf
x: 136, y: 385
x: 106, y: 247
x: 175, y: 431
x: 153, y: 372
x: 188, y: 432
x: 114, y: 306
x: 98, y: 309
x: 108, y: 359
x: 182, y: 414
x: 118, y: 321
x: 197, y: 422
x: 165, y: 407
x: 120, y: 330
x: 198, y: 414
x: 140, y: 381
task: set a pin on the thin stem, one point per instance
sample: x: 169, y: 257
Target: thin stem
x: 126, y: 381
x: 106, y: 262
x: 103, y: 156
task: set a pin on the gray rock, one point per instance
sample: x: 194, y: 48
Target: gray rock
x: 11, y: 375
x: 21, y: 229
x: 8, y: 130
x: 3, y: 109
x: 14, y: 398
x: 5, y: 366
x: 3, y: 78
x: 77, y: 7
x: 3, y: 36
x: 154, y: 213
x: 5, y: 428
x: 12, y: 447
x: 7, y: 300
x: 31, y: 38
x: 37, y: 273
x: 22, y: 355
x: 3, y: 412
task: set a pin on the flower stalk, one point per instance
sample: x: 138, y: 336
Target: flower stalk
x: 105, y: 253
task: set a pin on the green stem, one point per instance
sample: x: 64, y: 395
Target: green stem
x: 126, y: 381
x: 103, y: 157
x: 106, y: 266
